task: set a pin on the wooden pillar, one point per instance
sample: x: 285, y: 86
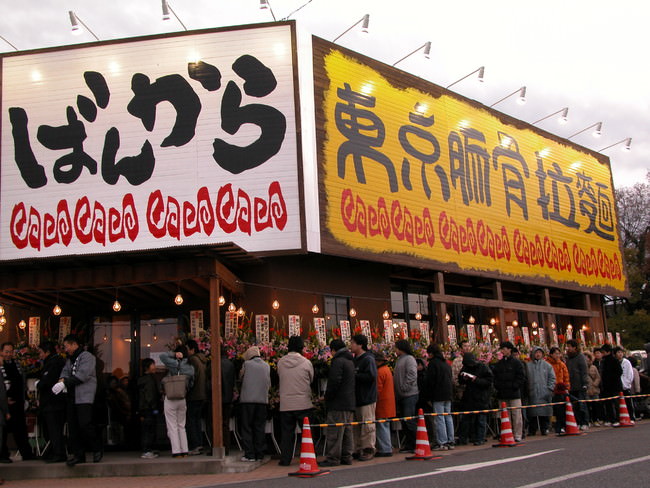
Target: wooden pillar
x: 215, y: 334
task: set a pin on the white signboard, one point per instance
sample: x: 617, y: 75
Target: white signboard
x: 65, y: 326
x: 319, y: 325
x: 471, y: 334
x: 388, y: 332
x: 196, y: 322
x: 424, y: 333
x: 262, y: 329
x: 294, y: 325
x: 524, y: 333
x: 451, y: 330
x: 230, y: 325
x: 403, y: 330
x: 34, y: 331
x: 485, y: 329
x: 618, y: 338
x: 542, y: 336
x: 365, y: 329
x: 610, y: 338
x: 510, y: 331
x: 151, y: 143
x: 345, y: 331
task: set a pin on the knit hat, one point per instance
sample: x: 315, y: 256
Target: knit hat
x: 380, y: 357
x: 251, y: 352
x: 469, y: 359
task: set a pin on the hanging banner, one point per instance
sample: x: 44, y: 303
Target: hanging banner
x: 65, y: 326
x: 582, y: 337
x: 601, y: 338
x: 424, y: 333
x: 196, y: 323
x: 510, y: 331
x: 365, y: 329
x: 610, y: 338
x: 618, y: 338
x: 418, y: 175
x: 526, y: 336
x: 345, y: 331
x: 542, y: 336
x: 451, y: 330
x: 294, y: 325
x: 569, y: 333
x: 388, y: 332
x: 262, y: 329
x: 34, y: 331
x: 471, y: 334
x: 485, y: 331
x: 319, y: 325
x: 554, y: 337
x: 230, y: 325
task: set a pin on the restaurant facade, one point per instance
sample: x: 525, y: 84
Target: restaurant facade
x: 191, y: 184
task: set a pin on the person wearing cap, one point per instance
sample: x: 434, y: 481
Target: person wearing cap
x: 340, y: 403
x: 385, y: 405
x: 477, y: 380
x: 255, y: 379
x: 508, y: 380
x: 405, y: 377
x: 541, y: 382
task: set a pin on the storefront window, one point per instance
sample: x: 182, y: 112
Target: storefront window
x: 113, y: 344
x: 157, y: 335
x: 336, y: 309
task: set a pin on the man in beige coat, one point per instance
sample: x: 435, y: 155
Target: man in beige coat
x: 296, y: 375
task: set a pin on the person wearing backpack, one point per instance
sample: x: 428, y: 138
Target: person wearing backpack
x: 175, y: 406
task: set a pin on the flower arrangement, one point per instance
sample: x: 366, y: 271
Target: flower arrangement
x: 27, y: 358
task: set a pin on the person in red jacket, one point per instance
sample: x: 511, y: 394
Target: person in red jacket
x: 385, y: 408
x: 562, y: 387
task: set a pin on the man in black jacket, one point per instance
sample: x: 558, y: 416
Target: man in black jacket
x: 439, y: 389
x: 51, y: 406
x: 508, y: 380
x: 17, y: 424
x: 365, y: 389
x: 610, y: 384
x: 340, y: 403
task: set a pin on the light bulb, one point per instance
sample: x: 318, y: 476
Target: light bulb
x: 240, y: 312
x: 418, y: 316
x: 2, y: 310
x: 105, y: 338
x: 447, y: 317
x: 386, y: 314
x: 22, y: 324
x: 155, y: 337
x: 569, y: 326
x: 178, y: 299
x: 534, y: 324
x: 553, y: 325
x: 117, y: 306
x: 3, y: 320
x: 535, y: 332
x: 232, y: 307
x: 515, y: 323
x: 315, y: 309
x: 275, y: 304
x: 493, y: 321
x: 490, y: 330
x: 222, y: 301
x: 56, y: 310
x: 471, y: 319
x: 353, y: 312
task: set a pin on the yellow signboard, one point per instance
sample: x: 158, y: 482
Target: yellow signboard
x: 416, y: 174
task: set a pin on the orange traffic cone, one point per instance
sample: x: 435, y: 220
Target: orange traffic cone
x: 308, y: 465
x: 571, y: 427
x: 507, y: 439
x: 623, y: 415
x: 422, y: 448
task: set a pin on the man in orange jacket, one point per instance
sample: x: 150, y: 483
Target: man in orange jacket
x: 562, y: 387
x: 385, y: 408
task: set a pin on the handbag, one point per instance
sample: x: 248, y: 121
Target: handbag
x: 175, y: 386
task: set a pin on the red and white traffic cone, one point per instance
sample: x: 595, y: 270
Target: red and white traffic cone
x: 571, y: 427
x: 422, y: 448
x: 506, y: 437
x: 623, y: 415
x: 308, y: 465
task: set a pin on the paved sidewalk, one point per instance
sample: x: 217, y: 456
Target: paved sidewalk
x: 269, y: 469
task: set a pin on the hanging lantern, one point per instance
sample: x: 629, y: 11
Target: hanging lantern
x: 22, y: 324
x: 418, y: 316
x: 117, y: 306
x: 447, y: 317
x: 353, y: 312
x: 471, y: 319
x: 222, y: 301
x: 315, y: 309
x: 534, y: 324
x: 553, y: 326
x: 178, y: 299
x: 232, y: 307
x: 56, y: 310
x: 275, y: 304
x: 3, y: 320
x: 493, y: 321
x: 240, y: 312
x: 386, y: 314
x: 569, y: 327
x: 105, y: 337
x: 515, y: 323
x: 490, y: 330
x: 2, y: 310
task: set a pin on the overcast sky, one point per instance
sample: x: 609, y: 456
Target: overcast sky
x: 584, y: 54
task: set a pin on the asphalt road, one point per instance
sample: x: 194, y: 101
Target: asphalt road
x: 603, y: 457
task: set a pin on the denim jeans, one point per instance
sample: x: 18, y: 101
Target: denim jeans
x: 407, y: 407
x: 444, y: 423
x: 383, y: 437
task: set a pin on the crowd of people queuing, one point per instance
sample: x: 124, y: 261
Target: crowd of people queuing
x: 361, y: 387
